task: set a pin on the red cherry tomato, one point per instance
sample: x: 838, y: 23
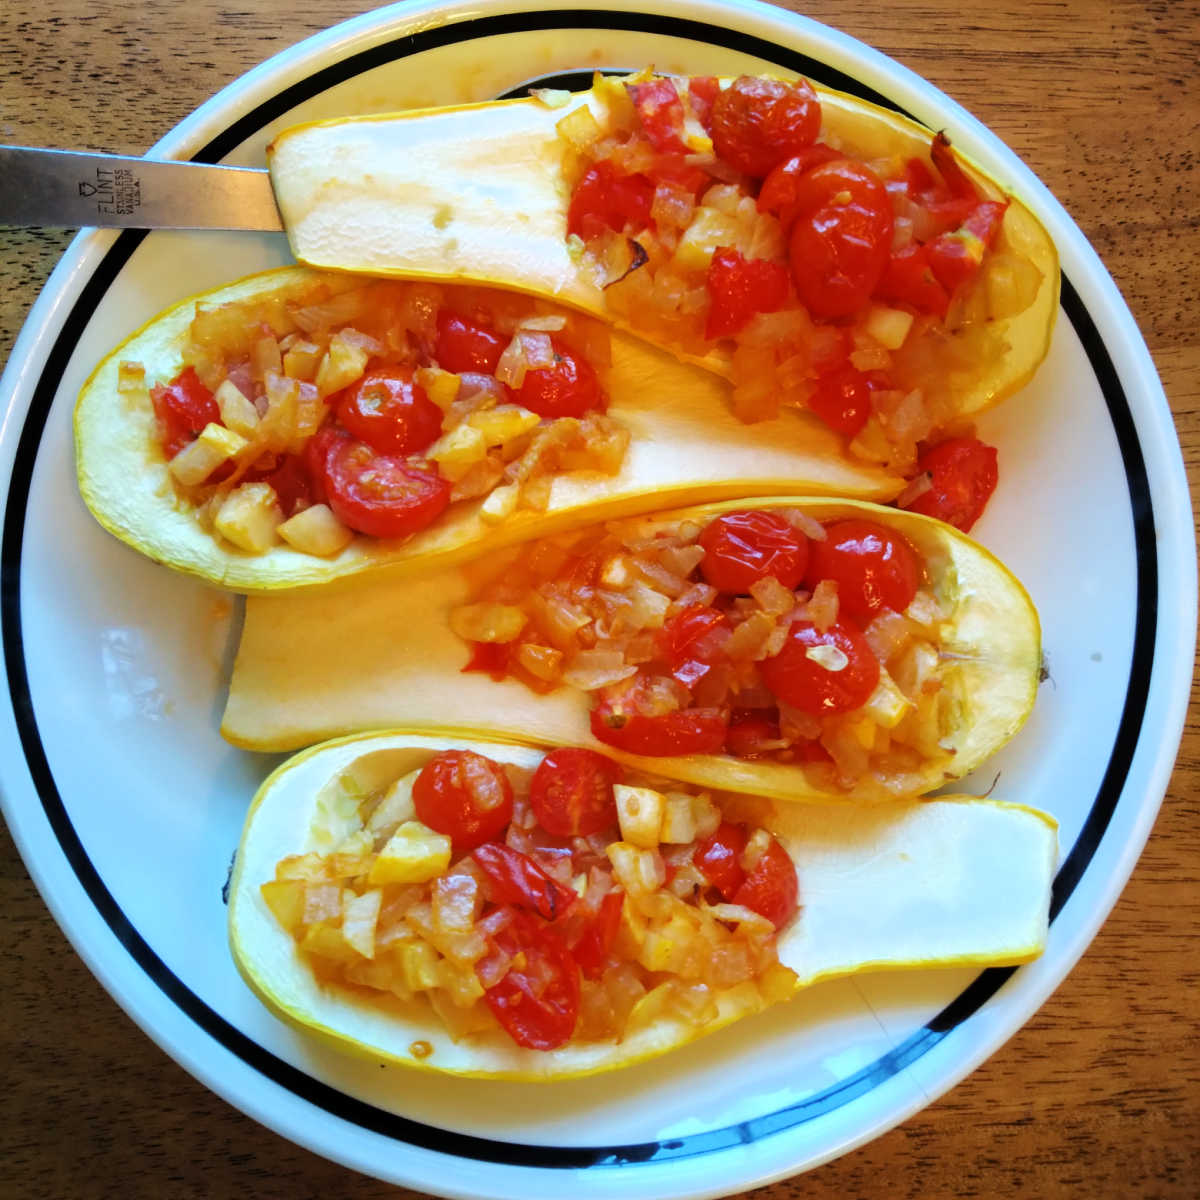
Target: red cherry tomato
x: 514, y: 878
x: 619, y: 722
x: 749, y: 729
x: 599, y: 933
x: 719, y: 858
x: 956, y: 257
x: 605, y: 200
x: 378, y: 494
x: 739, y: 288
x: 841, y: 238
x: 569, y: 388
x: 823, y: 672
x: 183, y: 407
x: 572, y: 793
x: 660, y: 111
x: 465, y: 796
x: 757, y: 123
x: 464, y: 345
x: 842, y: 399
x: 389, y: 411
x: 771, y: 889
x: 779, y: 192
x: 963, y: 475
x: 740, y: 548
x: 537, y: 1001
x: 874, y: 567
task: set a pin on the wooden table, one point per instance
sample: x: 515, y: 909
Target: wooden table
x: 1100, y: 1093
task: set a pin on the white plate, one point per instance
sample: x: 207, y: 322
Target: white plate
x: 127, y: 805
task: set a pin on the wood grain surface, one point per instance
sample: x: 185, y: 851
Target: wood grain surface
x: 1100, y: 1094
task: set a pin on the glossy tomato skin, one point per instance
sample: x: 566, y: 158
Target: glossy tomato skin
x: 571, y: 793
x: 466, y: 346
x: 801, y: 681
x: 465, y: 796
x: 569, y: 388
x: 618, y: 721
x: 749, y: 729
x: 537, y: 1001
x: 598, y: 935
x: 841, y: 238
x: 380, y: 495
x: 758, y: 123
x: 389, y: 411
x: 963, y: 473
x: 719, y: 858
x: 842, y: 398
x: 874, y: 567
x: 514, y: 878
x: 739, y: 288
x: 742, y: 548
x: 780, y: 191
x: 183, y: 407
x: 771, y: 888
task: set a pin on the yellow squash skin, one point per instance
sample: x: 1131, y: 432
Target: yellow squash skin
x: 382, y: 655
x: 479, y: 192
x: 686, y: 446
x: 963, y: 881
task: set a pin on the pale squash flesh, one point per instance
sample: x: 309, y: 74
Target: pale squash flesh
x: 381, y: 655
x: 686, y: 446
x: 480, y: 192
x: 956, y: 881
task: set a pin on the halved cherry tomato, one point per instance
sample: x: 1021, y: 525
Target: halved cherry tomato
x: 874, y: 567
x: 619, y: 721
x: 741, y: 548
x: 514, y: 878
x: 465, y: 796
x: 594, y: 944
x: 389, y: 411
x: 605, y: 200
x: 739, y: 288
x: 750, y: 730
x: 771, y: 888
x: 379, y: 494
x: 571, y: 793
x: 537, y: 1001
x: 184, y: 406
x: 757, y: 123
x: 660, y: 110
x: 464, y: 345
x: 833, y: 671
x: 569, y: 388
x: 779, y: 192
x: 962, y: 474
x: 841, y: 237
x: 719, y: 858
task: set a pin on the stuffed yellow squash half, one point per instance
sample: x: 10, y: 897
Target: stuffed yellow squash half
x: 795, y: 648
x: 819, y: 251
x: 298, y: 427
x: 485, y: 909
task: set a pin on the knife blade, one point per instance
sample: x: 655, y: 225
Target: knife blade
x: 69, y: 189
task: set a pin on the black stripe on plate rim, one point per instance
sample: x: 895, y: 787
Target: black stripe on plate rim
x: 323, y: 1096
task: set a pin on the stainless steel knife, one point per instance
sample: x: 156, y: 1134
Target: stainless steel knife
x: 63, y: 188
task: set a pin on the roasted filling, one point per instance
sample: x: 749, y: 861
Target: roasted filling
x: 762, y: 634
x: 866, y: 290
x: 369, y: 408
x: 555, y: 905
